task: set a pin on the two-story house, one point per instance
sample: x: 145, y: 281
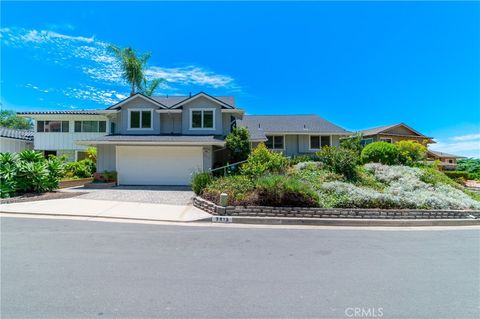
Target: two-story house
x: 164, y: 140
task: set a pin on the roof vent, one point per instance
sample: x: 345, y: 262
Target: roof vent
x: 304, y: 127
x: 258, y: 125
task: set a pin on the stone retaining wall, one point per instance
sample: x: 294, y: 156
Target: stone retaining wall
x: 312, y: 212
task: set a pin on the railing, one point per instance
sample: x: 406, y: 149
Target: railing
x: 224, y: 168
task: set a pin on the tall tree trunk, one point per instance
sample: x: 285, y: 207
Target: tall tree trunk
x: 133, y: 88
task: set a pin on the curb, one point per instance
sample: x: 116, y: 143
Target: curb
x: 346, y: 221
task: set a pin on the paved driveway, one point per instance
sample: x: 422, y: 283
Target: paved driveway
x: 171, y: 195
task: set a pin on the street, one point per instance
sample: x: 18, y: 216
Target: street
x: 52, y: 268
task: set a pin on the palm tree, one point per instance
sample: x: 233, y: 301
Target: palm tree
x: 133, y: 67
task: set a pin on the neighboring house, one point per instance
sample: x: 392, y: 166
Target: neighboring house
x: 164, y: 140
x: 394, y: 133
x: 292, y: 134
x: 57, y: 132
x: 447, y: 161
x: 15, y: 141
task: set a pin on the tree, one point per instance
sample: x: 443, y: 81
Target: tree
x: 238, y: 143
x: 10, y: 119
x: 133, y: 67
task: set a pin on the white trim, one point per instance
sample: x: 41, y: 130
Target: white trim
x: 169, y: 111
x: 203, y: 109
x: 320, y: 141
x: 119, y: 104
x: 149, y: 143
x: 201, y: 94
x: 276, y: 149
x: 384, y: 139
x: 129, y: 128
x: 307, y: 133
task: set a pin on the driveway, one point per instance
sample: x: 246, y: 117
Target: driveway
x: 169, y: 195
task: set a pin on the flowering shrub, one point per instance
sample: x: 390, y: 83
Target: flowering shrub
x: 262, y: 161
x: 380, y: 152
x: 339, y: 160
x: 410, y: 152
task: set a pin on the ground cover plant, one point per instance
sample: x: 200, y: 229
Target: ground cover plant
x: 340, y: 177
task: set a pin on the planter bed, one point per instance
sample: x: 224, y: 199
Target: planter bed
x: 74, y: 182
x: 97, y: 185
x: 314, y: 212
x: 32, y: 197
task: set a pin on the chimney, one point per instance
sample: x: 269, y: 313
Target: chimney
x: 190, y: 95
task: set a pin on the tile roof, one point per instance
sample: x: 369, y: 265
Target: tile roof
x: 81, y: 112
x: 17, y: 134
x: 442, y: 154
x: 160, y: 138
x: 259, y: 124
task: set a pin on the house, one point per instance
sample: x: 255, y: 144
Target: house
x: 447, y: 161
x: 394, y: 133
x: 164, y: 140
x: 57, y: 132
x: 14, y: 140
x: 292, y: 134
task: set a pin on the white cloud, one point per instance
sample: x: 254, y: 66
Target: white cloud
x: 91, y: 93
x: 466, y: 145
x: 36, y: 88
x: 190, y: 75
x: 467, y: 137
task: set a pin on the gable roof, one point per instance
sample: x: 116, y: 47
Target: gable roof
x: 382, y: 129
x: 16, y: 134
x: 258, y: 125
x: 135, y: 96
x: 444, y: 155
x: 225, y: 101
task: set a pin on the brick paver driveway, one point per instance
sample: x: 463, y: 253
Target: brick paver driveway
x: 171, y: 195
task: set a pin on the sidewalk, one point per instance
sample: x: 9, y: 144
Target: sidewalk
x: 107, y: 209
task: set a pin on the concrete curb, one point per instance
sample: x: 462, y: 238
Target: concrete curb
x: 350, y: 222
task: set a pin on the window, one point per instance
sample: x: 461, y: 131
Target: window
x: 47, y: 154
x: 274, y: 142
x: 140, y: 119
x: 81, y: 155
x: 319, y: 141
x: 366, y: 141
x: 90, y: 126
x: 53, y: 126
x: 202, y: 119
x: 387, y: 140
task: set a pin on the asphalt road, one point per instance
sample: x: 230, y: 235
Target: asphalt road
x: 78, y: 269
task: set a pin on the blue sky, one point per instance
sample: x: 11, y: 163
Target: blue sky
x: 358, y: 65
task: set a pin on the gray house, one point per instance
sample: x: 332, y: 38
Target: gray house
x: 164, y: 140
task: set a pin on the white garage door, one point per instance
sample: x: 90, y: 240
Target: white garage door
x: 157, y: 165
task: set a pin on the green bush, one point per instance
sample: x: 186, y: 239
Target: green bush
x: 29, y: 171
x: 262, y: 161
x: 457, y: 174
x: 200, y: 181
x: 82, y: 169
x: 434, y: 177
x: 353, y: 143
x: 380, y: 152
x: 284, y: 191
x: 238, y: 188
x: 302, y: 158
x: 238, y: 143
x: 471, y: 165
x: 339, y: 160
x: 410, y: 152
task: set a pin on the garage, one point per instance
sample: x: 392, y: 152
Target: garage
x: 157, y: 165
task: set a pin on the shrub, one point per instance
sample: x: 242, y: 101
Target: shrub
x: 262, y: 161
x: 353, y: 143
x: 339, y: 160
x: 238, y: 188
x: 457, y: 174
x: 410, y: 152
x: 315, y: 176
x: 284, y: 191
x: 470, y: 165
x: 301, y: 159
x: 82, y: 169
x: 92, y: 154
x: 200, y: 181
x: 238, y: 143
x: 380, y: 152
x: 29, y: 171
x: 434, y: 177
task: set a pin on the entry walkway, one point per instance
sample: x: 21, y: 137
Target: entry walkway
x: 107, y: 209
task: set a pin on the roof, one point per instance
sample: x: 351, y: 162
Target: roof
x: 157, y: 139
x: 444, y: 155
x: 381, y: 129
x: 16, y: 134
x: 258, y: 125
x: 169, y: 101
x: 79, y: 112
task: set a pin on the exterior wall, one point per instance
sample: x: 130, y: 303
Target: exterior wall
x: 227, y: 122
x: 396, y: 139
x: 400, y: 130
x: 291, y: 145
x: 138, y: 103
x: 299, y: 144
x: 171, y: 123
x: 304, y: 143
x: 202, y: 102
x: 207, y: 158
x: 70, y: 155
x: 13, y: 145
x: 106, y: 158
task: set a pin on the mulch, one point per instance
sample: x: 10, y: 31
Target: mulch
x: 33, y: 197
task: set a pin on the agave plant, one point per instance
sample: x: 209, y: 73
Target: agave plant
x: 31, y: 156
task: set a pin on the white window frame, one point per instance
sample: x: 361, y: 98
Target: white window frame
x: 384, y: 139
x: 320, y: 136
x: 140, y: 128
x: 202, y: 110
x: 367, y: 141
x: 276, y: 149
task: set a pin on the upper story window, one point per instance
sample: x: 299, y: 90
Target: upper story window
x: 275, y: 142
x: 202, y: 119
x: 90, y: 126
x: 140, y: 119
x: 319, y: 141
x: 387, y: 140
x: 53, y: 126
